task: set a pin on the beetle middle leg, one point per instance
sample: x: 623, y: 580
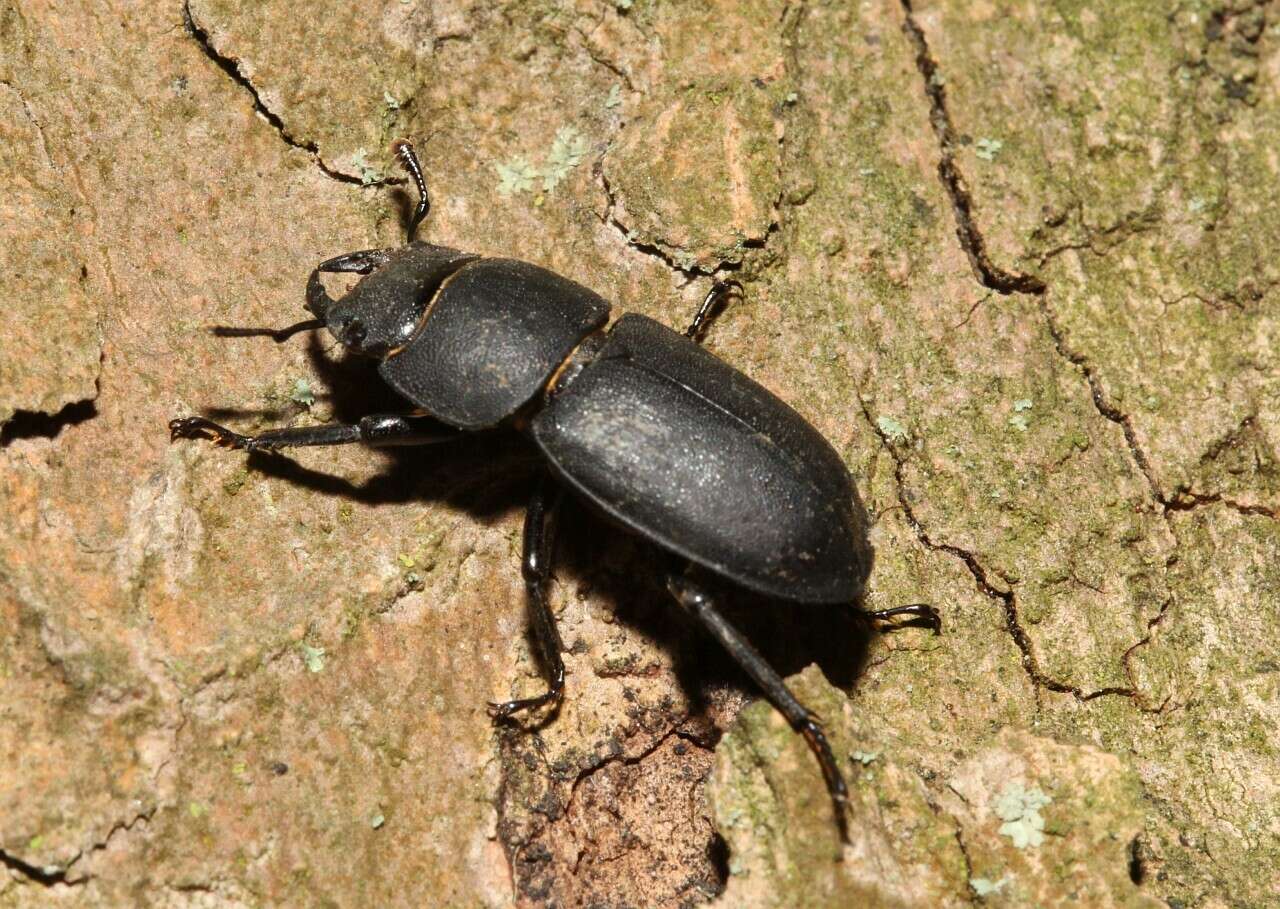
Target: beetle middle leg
x: 700, y: 605
x: 378, y: 430
x: 539, y: 545
x: 715, y: 295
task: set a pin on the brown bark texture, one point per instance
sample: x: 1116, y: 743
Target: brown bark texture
x: 1017, y: 260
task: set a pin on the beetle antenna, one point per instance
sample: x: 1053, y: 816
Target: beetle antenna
x: 409, y: 161
x: 279, y: 335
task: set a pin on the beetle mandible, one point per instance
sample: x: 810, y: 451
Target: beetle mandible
x: 637, y: 420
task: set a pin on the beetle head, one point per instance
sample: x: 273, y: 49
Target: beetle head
x: 382, y: 312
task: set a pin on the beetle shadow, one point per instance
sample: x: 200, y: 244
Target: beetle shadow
x: 629, y: 575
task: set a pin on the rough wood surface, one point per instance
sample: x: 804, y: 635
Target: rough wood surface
x: 1017, y: 260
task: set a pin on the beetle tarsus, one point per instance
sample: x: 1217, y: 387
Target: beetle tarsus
x: 921, y: 613
x: 507, y: 709
x: 710, y: 302
x: 200, y: 428
x: 816, y: 739
x: 539, y: 546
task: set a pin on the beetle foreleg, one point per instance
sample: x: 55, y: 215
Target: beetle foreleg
x: 700, y: 605
x: 376, y: 430
x: 539, y: 543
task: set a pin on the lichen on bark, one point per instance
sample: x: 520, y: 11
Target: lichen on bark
x: 1015, y: 260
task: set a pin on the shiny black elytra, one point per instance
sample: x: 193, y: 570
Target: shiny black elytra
x: 638, y: 421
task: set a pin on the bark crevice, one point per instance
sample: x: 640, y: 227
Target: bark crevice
x: 1006, y: 599
x: 231, y: 66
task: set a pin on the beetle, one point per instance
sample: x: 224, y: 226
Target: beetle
x: 637, y: 420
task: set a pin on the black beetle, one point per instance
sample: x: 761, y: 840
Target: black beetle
x: 637, y: 420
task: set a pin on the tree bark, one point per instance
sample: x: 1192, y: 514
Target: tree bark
x: 1017, y: 262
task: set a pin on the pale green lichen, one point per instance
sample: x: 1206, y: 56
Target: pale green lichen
x: 367, y: 172
x: 302, y: 393
x: 987, y: 149
x: 240, y: 770
x: 1021, y: 420
x: 892, y: 429
x: 567, y: 152
x: 516, y: 176
x: 1019, y: 808
x: 985, y: 887
x: 312, y: 657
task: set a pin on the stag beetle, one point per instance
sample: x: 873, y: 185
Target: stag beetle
x: 638, y: 421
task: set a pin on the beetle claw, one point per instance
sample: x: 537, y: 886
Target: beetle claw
x: 200, y: 428
x: 505, y: 710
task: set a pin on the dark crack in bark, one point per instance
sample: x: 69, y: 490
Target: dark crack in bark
x: 231, y: 66
x: 971, y: 239
x: 1104, y: 406
x: 789, y: 24
x: 54, y: 875
x: 688, y: 273
x: 989, y: 275
x: 50, y: 876
x: 1007, y: 599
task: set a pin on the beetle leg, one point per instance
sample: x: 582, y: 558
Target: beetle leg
x: 716, y: 294
x: 360, y: 262
x: 377, y: 430
x: 921, y: 613
x: 539, y: 543
x: 698, y: 603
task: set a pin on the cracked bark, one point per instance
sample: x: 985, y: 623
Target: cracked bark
x: 1006, y: 598
x: 213, y: 588
x: 231, y: 66
x: 967, y: 232
x: 990, y: 275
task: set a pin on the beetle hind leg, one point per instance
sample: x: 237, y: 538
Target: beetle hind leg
x: 539, y: 543
x: 921, y: 614
x: 698, y: 603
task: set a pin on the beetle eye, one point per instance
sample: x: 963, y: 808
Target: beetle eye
x: 355, y: 332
